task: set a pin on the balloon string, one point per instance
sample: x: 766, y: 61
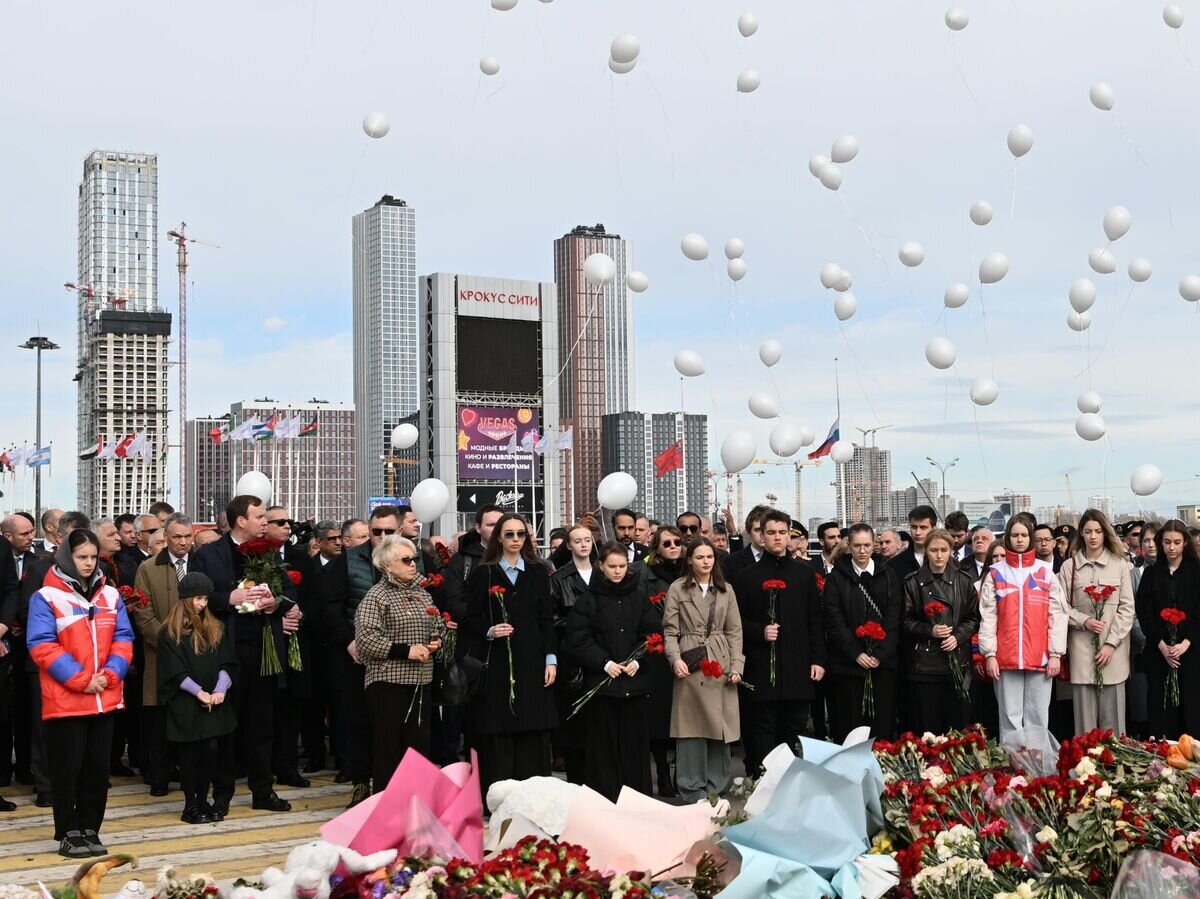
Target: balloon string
x: 975, y: 415
x: 961, y: 74
x: 859, y: 369
x: 666, y: 120
x: 582, y: 331
x: 1183, y: 50
x: 1129, y: 140
x: 612, y: 103
x: 779, y: 396
x: 912, y: 297
x: 863, y: 232
x: 987, y: 340
x: 1012, y: 206
x: 354, y: 174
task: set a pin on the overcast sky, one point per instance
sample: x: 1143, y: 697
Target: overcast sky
x: 254, y: 110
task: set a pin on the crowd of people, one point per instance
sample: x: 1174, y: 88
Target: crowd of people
x: 632, y: 653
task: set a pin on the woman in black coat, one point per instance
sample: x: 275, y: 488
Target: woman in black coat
x: 510, y: 614
x: 606, y: 626
x: 1172, y: 582
x: 860, y: 589
x: 664, y: 566
x: 569, y: 582
x: 934, y: 702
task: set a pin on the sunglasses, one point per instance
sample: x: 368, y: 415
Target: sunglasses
x: 382, y: 532
x: 279, y: 522
x: 407, y: 560
x: 513, y: 535
x: 334, y: 539
x: 669, y: 543
x: 689, y: 528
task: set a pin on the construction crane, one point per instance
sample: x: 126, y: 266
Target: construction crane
x: 1070, y: 492
x: 798, y: 464
x: 180, y: 238
x: 741, y: 493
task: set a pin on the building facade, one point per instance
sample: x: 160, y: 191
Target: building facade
x: 489, y: 360
x: 864, y: 486
x: 386, y: 343
x: 123, y: 334
x: 1103, y: 504
x: 630, y: 442
x: 1017, y: 502
x: 308, y: 455
x: 1189, y: 515
x: 904, y: 501
x: 595, y: 328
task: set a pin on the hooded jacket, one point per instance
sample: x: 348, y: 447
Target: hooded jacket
x: 1024, y: 613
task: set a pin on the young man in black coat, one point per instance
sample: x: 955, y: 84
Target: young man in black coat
x: 752, y: 552
x: 921, y: 520
x: 777, y: 713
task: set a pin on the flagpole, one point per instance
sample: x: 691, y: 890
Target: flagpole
x: 317, y: 470
x: 837, y: 392
x: 533, y: 491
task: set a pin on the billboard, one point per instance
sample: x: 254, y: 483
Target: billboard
x: 499, y: 298
x: 484, y: 434
x: 992, y: 515
x: 471, y: 498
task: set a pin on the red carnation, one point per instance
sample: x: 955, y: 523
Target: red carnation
x: 774, y: 584
x: 711, y: 668
x: 430, y: 610
x: 934, y: 609
x: 658, y: 598
x: 654, y: 644
x: 295, y: 576
x: 497, y: 592
x: 446, y: 618
x: 820, y: 582
x: 1173, y: 617
x: 872, y: 630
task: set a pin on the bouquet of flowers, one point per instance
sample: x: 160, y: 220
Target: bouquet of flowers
x: 872, y: 634
x: 1099, y: 595
x: 1173, y: 618
x: 133, y: 598
x: 658, y: 599
x: 652, y: 645
x: 261, y: 565
x: 712, y: 668
x: 498, y: 593
x: 773, y: 587
x: 433, y: 581
x: 934, y: 611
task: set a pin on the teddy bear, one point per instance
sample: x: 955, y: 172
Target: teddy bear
x: 306, y: 872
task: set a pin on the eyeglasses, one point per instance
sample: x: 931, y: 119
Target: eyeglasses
x: 382, y: 532
x: 336, y: 538
x: 407, y: 560
x: 668, y: 543
x: 513, y: 535
x: 689, y: 528
x: 279, y: 522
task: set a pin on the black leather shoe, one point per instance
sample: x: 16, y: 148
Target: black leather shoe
x: 120, y: 770
x: 45, y: 800
x: 159, y: 789
x: 314, y: 766
x: 73, y: 845
x: 92, y: 841
x: 219, y: 808
x: 342, y: 778
x: 293, y: 779
x: 6, y: 806
x: 271, y: 802
x: 25, y: 777
x: 197, y: 814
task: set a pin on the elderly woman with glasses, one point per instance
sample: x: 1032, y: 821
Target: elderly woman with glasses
x: 510, y: 621
x: 397, y: 632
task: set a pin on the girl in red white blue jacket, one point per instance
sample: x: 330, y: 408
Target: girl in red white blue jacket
x: 79, y: 636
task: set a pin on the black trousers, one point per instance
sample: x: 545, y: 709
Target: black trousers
x: 447, y: 734
x: 846, y: 705
x: 358, y: 724
x: 285, y: 749
x: 400, y: 717
x: 936, y: 707
x: 820, y: 704
x: 197, y: 765
x: 985, y: 709
x: 513, y: 756
x: 39, y: 761
x: 159, y: 753
x: 78, y: 751
x: 618, y: 748
x: 773, y: 722
x: 22, y: 722
x: 254, y: 699
x: 127, y: 725
x: 314, y: 712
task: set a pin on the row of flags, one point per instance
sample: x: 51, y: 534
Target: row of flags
x: 31, y: 457
x: 131, y: 446
x: 532, y: 443
x: 274, y: 428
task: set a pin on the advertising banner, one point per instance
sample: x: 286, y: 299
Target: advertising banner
x: 484, y: 436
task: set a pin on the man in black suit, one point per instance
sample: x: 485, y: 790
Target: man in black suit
x: 131, y: 558
x: 9, y: 593
x: 15, y: 735
x: 921, y: 521
x: 624, y: 525
x: 752, y: 553
x: 48, y: 543
x: 256, y: 693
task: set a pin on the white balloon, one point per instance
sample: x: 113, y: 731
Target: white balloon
x: 254, y: 483
x: 993, y: 268
x: 831, y: 273
x: 1089, y: 426
x: 1089, y: 402
x: 957, y: 18
x: 736, y: 269
x: 842, y: 452
x: 844, y: 306
x: 748, y: 81
x: 1145, y: 480
x: 1102, y: 96
x: 816, y: 163
x: 984, y: 392
x: 763, y: 405
x: 1102, y: 261
x: 637, y: 281
x: 489, y: 65
x: 831, y: 176
x: 807, y: 435
x: 1189, y: 288
x: 770, y: 352
x: 1139, y: 270
x: 939, y: 352
x: 689, y: 364
x: 747, y: 24
x: 376, y: 125
x: 786, y: 438
x: 737, y: 450
x: 617, y: 490
x: 694, y: 247
x: 503, y: 5
x: 844, y: 282
x: 1173, y: 16
x: 621, y: 68
x: 845, y: 148
x: 981, y: 212
x: 734, y: 248
x: 956, y: 296
x: 1116, y: 222
x: 404, y: 436
x: 429, y: 500
x: 625, y: 49
x: 1082, y: 294
x: 599, y: 268
x: 1020, y: 140
x: 912, y: 254
x: 1079, y: 321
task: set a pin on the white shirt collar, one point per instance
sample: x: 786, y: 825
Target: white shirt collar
x: 175, y: 560
x: 870, y: 569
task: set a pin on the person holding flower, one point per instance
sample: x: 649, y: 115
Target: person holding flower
x: 1023, y: 629
x: 664, y: 566
x: 862, y: 588
x: 397, y: 631
x: 1168, y: 601
x: 1099, y: 588
x: 510, y: 619
x: 607, y: 625
x: 702, y: 623
x: 941, y: 615
x: 568, y: 582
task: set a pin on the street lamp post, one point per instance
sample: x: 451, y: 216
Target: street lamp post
x: 943, y: 469
x: 39, y: 344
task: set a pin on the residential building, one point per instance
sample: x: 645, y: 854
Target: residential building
x: 864, y: 486
x: 631, y: 441
x: 1018, y: 502
x: 905, y: 500
x: 1189, y: 515
x: 1103, y: 504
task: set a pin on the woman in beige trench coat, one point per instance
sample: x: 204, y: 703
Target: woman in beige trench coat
x: 704, y: 710
x: 1097, y: 564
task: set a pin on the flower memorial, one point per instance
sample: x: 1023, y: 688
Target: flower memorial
x: 652, y: 645
x: 773, y: 587
x: 872, y: 634
x: 934, y: 611
x: 1173, y: 618
x: 1099, y: 596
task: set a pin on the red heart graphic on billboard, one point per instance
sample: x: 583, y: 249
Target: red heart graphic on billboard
x: 469, y: 417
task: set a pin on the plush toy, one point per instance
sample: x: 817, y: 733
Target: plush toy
x: 305, y: 874
x: 133, y: 889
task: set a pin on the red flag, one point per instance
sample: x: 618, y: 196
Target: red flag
x: 123, y: 446
x: 669, y: 459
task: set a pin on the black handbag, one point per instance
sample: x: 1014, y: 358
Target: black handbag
x: 697, y: 654
x: 455, y: 686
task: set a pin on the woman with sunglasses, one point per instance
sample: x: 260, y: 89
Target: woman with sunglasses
x: 510, y: 616
x: 664, y: 566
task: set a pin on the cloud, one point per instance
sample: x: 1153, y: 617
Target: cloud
x: 273, y: 324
